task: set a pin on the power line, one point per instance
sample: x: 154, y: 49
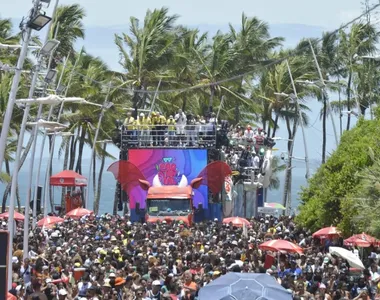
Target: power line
x: 195, y: 87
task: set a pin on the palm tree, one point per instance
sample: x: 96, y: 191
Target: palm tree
x: 68, y: 26
x: 359, y: 41
x: 330, y: 66
x: 150, y: 51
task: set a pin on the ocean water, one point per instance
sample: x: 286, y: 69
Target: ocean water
x: 109, y: 183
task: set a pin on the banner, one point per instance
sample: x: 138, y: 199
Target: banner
x: 169, y: 165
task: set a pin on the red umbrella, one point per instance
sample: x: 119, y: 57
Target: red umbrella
x: 49, y: 220
x: 280, y: 245
x: 11, y: 297
x: 326, y: 232
x: 79, y: 213
x: 17, y: 216
x: 361, y: 240
x: 236, y: 221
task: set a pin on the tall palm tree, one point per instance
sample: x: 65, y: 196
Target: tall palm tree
x: 69, y: 27
x: 359, y: 41
x: 330, y: 66
x: 146, y: 51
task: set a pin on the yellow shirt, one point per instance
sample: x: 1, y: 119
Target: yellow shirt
x: 129, y: 123
x: 171, y: 124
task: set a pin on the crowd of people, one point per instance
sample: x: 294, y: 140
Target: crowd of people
x: 153, y: 129
x: 108, y: 257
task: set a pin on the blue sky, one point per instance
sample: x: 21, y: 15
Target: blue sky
x: 292, y: 19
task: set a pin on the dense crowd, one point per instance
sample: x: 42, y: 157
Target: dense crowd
x: 108, y: 257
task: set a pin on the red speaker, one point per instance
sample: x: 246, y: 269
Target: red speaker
x: 4, y: 239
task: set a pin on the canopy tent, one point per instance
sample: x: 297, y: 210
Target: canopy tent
x: 68, y: 178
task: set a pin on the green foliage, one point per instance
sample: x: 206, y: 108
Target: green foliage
x: 331, y: 194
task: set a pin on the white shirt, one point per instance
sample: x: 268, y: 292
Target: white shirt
x: 27, y: 274
x: 180, y: 119
x: 249, y: 134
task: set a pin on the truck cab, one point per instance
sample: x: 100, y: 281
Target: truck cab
x: 170, y: 203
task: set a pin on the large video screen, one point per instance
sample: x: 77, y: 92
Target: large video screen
x: 169, y: 165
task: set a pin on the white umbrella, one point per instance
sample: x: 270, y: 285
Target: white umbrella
x: 352, y: 259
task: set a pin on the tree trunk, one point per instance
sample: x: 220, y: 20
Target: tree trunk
x: 94, y: 176
x: 18, y: 198
x: 99, y: 186
x: 65, y: 163
x: 184, y: 103
x: 211, y: 98
x: 82, y: 137
x: 275, y: 125
x: 349, y: 99
x: 22, y: 160
x: 324, y: 128
x: 288, y: 171
x: 7, y: 169
x: 73, y: 146
x: 115, y: 202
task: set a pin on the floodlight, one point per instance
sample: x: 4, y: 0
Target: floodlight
x: 49, y: 47
x: 50, y: 76
x: 38, y: 21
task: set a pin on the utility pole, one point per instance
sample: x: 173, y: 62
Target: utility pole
x: 307, y: 175
x: 27, y: 33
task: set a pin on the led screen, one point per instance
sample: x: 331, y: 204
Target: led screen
x: 170, y: 165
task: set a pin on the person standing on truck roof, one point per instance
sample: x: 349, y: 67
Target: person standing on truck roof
x: 129, y: 125
x: 142, y: 128
x: 181, y: 120
x: 171, y: 129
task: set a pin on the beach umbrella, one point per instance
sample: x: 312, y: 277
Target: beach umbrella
x: 244, y: 286
x: 280, y: 245
x: 49, y: 220
x: 274, y: 205
x: 11, y: 297
x: 361, y: 240
x: 79, y: 213
x: 326, y: 232
x: 236, y: 221
x: 17, y: 216
x: 351, y: 258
